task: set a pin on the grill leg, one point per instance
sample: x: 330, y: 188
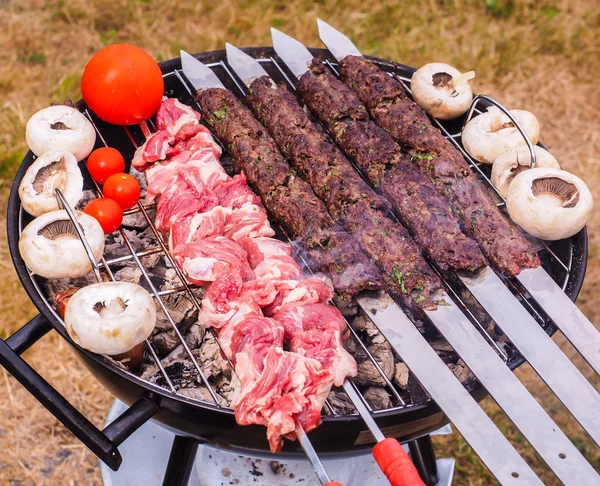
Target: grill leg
x: 181, y: 461
x: 423, y: 457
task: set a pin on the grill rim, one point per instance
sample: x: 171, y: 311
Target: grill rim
x: 579, y: 244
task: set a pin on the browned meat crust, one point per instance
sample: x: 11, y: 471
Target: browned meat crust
x: 421, y: 209
x: 346, y: 195
x: 390, y: 107
x: 288, y: 198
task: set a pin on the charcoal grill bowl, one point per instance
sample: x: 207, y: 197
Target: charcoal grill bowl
x: 210, y: 424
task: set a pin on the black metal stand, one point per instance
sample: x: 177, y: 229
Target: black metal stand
x: 423, y: 457
x: 181, y: 461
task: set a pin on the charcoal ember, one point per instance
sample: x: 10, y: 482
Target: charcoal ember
x: 378, y: 398
x: 181, y: 309
x: 128, y: 274
x: 444, y: 350
x: 348, y: 307
x: 137, y: 220
x: 341, y: 402
x: 401, y: 374
x: 416, y: 391
x: 210, y: 358
x: 165, y: 342
x: 86, y: 197
x: 461, y: 371
x: 379, y: 348
x: 202, y: 393
x: 141, y: 178
x: 181, y: 372
x: 194, y: 336
x: 226, y: 389
x: 479, y: 313
x: 116, y: 247
x: 57, y: 285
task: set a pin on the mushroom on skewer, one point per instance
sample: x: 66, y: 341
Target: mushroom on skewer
x: 490, y: 134
x: 51, y: 247
x: 516, y: 160
x: 112, y: 318
x: 551, y: 204
x: 52, y: 170
x: 441, y: 90
x: 60, y: 128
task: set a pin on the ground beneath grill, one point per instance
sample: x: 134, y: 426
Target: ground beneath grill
x: 542, y: 59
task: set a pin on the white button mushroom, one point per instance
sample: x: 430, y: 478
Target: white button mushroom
x: 490, y: 134
x: 60, y: 128
x: 53, y: 170
x: 516, y: 160
x: 441, y: 90
x: 550, y: 204
x: 51, y: 247
x: 110, y: 317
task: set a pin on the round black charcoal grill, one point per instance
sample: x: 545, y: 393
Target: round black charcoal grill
x: 204, y: 420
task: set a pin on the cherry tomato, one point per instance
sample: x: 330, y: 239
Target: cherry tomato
x: 107, y: 212
x: 122, y: 188
x: 122, y: 84
x: 104, y: 162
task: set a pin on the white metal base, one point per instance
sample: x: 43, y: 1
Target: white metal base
x: 146, y: 453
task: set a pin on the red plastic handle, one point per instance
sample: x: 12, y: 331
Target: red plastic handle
x: 333, y: 483
x: 395, y: 464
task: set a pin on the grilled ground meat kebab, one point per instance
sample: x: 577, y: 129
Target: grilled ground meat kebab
x: 436, y: 157
x: 289, y: 199
x: 346, y: 195
x: 421, y: 209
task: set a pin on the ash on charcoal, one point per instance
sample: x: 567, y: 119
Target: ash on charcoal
x: 416, y: 391
x: 461, y: 371
x: 116, y: 247
x: 340, y: 402
x: 378, y: 398
x: 128, y: 274
x: 57, y: 285
x: 379, y: 348
x: 401, y: 374
x: 137, y: 220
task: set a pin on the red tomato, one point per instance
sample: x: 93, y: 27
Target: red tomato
x: 104, y: 162
x: 122, y: 188
x: 107, y: 212
x: 122, y: 84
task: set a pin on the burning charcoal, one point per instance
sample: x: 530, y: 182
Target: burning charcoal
x: 165, y: 342
x: 378, y: 398
x: 444, y: 350
x: 417, y: 394
x: 140, y: 241
x: 401, y: 374
x: 137, y: 220
x: 348, y: 308
x: 340, y: 402
x: 461, y: 371
x: 86, y: 197
x: 141, y: 178
x: 129, y: 274
x: 363, y: 324
x: 209, y: 357
x: 182, y: 310
x: 57, y: 285
x: 194, y: 336
x: 201, y: 393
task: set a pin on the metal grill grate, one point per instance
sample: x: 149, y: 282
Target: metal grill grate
x: 175, y: 83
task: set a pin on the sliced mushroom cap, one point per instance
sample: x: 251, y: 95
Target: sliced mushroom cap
x: 441, y: 90
x: 51, y: 247
x: 490, y: 134
x: 550, y: 204
x: 52, y: 170
x: 516, y: 160
x: 110, y: 317
x: 60, y: 128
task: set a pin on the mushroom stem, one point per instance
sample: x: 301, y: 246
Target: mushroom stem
x: 463, y: 78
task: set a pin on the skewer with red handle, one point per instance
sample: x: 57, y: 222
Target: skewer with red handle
x: 388, y: 453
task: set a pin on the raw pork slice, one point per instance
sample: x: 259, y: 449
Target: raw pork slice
x: 184, y: 196
x: 173, y: 115
x: 262, y: 247
x: 292, y: 293
x: 290, y: 387
x: 278, y: 267
x: 154, y: 149
x: 205, y: 260
x: 200, y: 139
x: 249, y: 221
x: 234, y: 193
x: 198, y: 226
x: 315, y: 331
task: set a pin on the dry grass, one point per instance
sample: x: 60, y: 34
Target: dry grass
x: 541, y: 56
